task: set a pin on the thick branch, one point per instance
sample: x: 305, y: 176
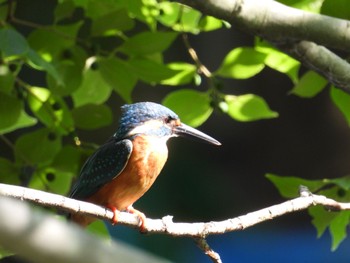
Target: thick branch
x: 303, y: 35
x: 272, y: 20
x: 166, y: 224
x: 42, y: 238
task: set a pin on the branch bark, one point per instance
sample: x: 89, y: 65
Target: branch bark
x: 298, y: 33
x: 199, y: 231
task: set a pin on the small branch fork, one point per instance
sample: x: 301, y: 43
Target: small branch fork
x: 198, y: 231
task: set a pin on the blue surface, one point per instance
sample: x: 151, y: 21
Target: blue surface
x: 257, y: 244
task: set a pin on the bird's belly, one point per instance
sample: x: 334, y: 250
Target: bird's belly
x: 144, y: 165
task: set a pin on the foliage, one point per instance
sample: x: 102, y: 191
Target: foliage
x: 92, y: 49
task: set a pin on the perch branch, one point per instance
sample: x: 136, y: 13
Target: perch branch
x: 166, y: 224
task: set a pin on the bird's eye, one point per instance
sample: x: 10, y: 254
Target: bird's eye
x: 168, y: 120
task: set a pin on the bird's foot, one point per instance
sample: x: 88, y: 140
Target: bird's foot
x: 141, y: 216
x: 115, y: 211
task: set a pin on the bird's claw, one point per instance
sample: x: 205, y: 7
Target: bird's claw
x: 115, y: 211
x: 141, y: 216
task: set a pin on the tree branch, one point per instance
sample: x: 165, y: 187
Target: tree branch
x: 166, y: 224
x: 198, y: 231
x: 44, y: 238
x: 298, y: 33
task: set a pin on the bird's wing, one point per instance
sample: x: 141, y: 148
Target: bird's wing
x: 101, y: 167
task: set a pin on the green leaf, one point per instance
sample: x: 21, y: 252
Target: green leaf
x: 150, y: 71
x: 342, y: 100
x: 148, y: 43
x: 70, y: 73
x: 91, y: 116
x: 338, y: 228
x: 93, y: 89
x: 24, y: 120
x: 99, y: 228
x: 192, y: 106
x: 186, y: 73
x: 248, y: 107
x: 279, y: 61
x: 9, y: 172
x: 7, y: 79
x: 288, y: 186
x: 50, y: 110
x: 10, y: 110
x: 12, y: 43
x: 38, y: 147
x: 51, y: 40
x: 321, y: 218
x: 169, y: 13
x: 111, y: 23
x: 119, y: 76
x: 209, y: 23
x: 242, y: 63
x: 38, y: 63
x: 339, y: 8
x: 64, y: 10
x: 67, y: 160
x: 309, y: 85
x: 189, y: 20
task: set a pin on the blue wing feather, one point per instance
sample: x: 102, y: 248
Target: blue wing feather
x: 101, y: 167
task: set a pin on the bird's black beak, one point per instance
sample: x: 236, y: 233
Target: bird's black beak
x: 189, y: 132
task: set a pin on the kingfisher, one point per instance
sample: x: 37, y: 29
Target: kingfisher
x: 119, y: 172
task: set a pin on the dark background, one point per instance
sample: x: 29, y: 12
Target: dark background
x: 200, y: 182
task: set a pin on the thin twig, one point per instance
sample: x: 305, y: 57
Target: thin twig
x: 201, y: 67
x: 203, y: 245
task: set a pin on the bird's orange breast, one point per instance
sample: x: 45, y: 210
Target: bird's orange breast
x: 147, y: 159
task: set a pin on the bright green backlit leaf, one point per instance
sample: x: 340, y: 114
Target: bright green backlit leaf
x: 93, y: 89
x: 111, y: 23
x: 10, y: 110
x: 23, y: 121
x: 9, y: 172
x: 188, y: 21
x: 342, y: 100
x: 50, y: 110
x: 38, y: 147
x: 148, y: 43
x: 91, y: 116
x: 209, y: 23
x: 338, y: 228
x: 150, y: 71
x: 170, y: 13
x: 242, y: 63
x: 339, y: 8
x: 37, y: 62
x: 279, y: 61
x: 12, y: 43
x: 309, y: 85
x: 248, y: 107
x: 193, y: 107
x: 185, y: 75
x: 288, y: 186
x: 119, y: 76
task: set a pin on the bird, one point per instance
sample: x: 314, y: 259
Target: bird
x: 120, y: 171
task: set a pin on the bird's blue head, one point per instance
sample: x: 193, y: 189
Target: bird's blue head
x: 153, y: 119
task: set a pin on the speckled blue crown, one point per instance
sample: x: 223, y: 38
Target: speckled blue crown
x: 138, y: 113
